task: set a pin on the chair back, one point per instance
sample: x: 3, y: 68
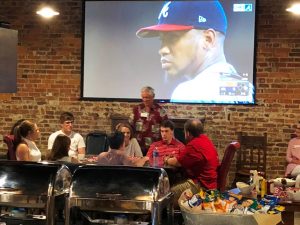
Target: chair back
x: 11, y: 150
x: 253, y: 153
x: 294, y: 135
x: 224, y: 167
x: 96, y: 142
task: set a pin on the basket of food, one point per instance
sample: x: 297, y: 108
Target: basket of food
x: 212, y: 207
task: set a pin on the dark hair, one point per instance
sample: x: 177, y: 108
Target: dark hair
x: 60, y: 147
x: 127, y: 125
x: 22, y: 130
x: 15, y: 125
x: 116, y: 140
x: 65, y: 116
x: 194, y: 127
x: 167, y: 124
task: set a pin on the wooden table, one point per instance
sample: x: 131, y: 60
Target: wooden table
x: 289, y: 214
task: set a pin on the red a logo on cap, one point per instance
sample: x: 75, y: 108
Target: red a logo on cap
x: 164, y: 10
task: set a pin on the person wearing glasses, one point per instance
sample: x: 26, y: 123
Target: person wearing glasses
x: 77, y: 142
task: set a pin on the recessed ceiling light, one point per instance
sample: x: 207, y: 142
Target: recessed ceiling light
x: 295, y: 8
x: 47, y: 12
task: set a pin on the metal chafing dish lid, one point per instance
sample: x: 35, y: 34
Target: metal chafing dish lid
x: 31, y: 178
x: 119, y: 183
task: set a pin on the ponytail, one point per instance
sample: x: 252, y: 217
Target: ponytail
x: 22, y: 131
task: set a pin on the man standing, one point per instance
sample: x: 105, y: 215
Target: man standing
x: 168, y: 146
x: 199, y: 159
x: 192, y: 38
x: 146, y: 118
x: 77, y: 142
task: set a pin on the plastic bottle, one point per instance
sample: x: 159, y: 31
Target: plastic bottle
x: 263, y: 187
x: 155, y: 156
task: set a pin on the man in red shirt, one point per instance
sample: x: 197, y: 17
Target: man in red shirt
x: 199, y: 159
x: 146, y: 118
x: 168, y: 146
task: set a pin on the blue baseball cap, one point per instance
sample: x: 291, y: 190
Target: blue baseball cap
x: 187, y: 15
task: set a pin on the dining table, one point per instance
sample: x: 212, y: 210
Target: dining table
x: 175, y: 174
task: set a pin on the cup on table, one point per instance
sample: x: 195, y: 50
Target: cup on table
x: 80, y: 157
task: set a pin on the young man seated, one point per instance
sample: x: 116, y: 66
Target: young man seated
x: 77, y: 142
x: 168, y: 146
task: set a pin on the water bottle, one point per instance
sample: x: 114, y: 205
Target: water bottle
x: 155, y: 156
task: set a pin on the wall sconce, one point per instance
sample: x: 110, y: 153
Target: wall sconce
x: 295, y: 8
x: 47, y: 12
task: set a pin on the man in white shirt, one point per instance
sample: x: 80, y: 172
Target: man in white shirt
x: 77, y: 142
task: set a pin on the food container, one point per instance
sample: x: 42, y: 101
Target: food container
x: 229, y: 219
x: 112, y: 191
x: 30, y: 193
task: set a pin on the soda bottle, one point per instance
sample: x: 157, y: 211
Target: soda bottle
x: 155, y: 156
x: 263, y: 187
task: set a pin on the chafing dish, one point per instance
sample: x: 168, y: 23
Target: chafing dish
x: 120, y: 189
x: 29, y: 191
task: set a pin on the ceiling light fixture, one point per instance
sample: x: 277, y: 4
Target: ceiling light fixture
x: 295, y: 8
x: 47, y: 12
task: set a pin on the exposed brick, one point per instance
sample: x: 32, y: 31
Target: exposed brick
x: 49, y: 73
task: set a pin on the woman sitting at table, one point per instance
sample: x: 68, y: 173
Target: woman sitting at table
x: 132, y: 147
x: 60, y: 149
x: 116, y: 154
x: 25, y: 135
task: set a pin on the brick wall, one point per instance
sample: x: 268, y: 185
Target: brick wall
x: 48, y: 76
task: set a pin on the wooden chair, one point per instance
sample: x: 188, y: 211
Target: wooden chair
x: 293, y: 135
x: 252, y: 156
x: 225, y: 164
